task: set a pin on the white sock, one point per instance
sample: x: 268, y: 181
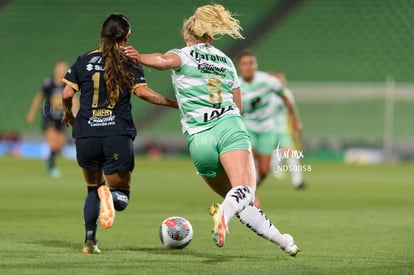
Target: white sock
x: 295, y: 171
x: 258, y: 222
x: 236, y: 200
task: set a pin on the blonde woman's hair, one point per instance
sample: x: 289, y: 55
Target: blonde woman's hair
x: 212, y: 21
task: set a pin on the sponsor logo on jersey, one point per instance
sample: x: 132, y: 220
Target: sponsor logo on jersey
x: 212, y: 69
x: 208, y: 57
x: 216, y: 113
x: 95, y: 121
x: 95, y: 67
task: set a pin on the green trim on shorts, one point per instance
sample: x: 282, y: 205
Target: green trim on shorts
x: 263, y: 143
x: 206, y: 147
x: 284, y: 140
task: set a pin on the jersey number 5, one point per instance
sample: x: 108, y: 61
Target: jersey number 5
x: 215, y: 91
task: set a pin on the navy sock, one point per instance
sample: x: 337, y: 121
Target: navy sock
x: 91, y: 214
x: 121, y: 198
x: 51, y: 163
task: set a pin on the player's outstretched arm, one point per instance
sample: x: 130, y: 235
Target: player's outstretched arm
x: 37, y: 100
x: 75, y: 105
x: 153, y: 97
x: 296, y: 124
x: 155, y: 60
x: 67, y: 100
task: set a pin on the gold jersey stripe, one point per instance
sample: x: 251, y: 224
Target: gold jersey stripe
x: 95, y: 51
x: 71, y: 84
x: 138, y: 85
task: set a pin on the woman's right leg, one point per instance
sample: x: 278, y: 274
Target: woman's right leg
x: 235, y: 198
x: 91, y: 209
x: 240, y: 176
x: 98, y: 199
x: 239, y: 168
x: 236, y: 186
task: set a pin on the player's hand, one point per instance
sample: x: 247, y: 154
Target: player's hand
x: 131, y: 52
x: 68, y: 118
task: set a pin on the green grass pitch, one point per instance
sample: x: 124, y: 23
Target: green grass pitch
x: 352, y: 220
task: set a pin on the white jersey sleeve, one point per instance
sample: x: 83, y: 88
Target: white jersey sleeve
x: 181, y: 54
x: 236, y: 82
x: 275, y: 84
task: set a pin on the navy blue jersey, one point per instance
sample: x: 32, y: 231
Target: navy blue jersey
x: 97, y: 117
x: 52, y: 93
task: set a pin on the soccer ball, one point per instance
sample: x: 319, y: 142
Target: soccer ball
x: 176, y: 232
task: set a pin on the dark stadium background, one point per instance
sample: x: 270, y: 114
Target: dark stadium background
x: 349, y: 64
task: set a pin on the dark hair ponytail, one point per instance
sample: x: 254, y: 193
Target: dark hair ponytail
x: 115, y: 30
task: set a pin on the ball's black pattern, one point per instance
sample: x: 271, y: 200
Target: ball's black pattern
x: 177, y: 230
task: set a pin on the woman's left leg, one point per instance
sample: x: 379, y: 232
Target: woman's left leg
x: 56, y: 139
x: 93, y: 178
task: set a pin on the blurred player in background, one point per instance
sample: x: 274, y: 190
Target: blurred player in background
x: 285, y: 145
x: 207, y: 90
x: 258, y: 91
x: 52, y: 113
x: 103, y: 128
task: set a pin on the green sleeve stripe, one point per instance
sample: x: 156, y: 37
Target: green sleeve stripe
x: 280, y: 92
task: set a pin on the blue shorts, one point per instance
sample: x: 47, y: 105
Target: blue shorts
x: 112, y: 153
x: 53, y: 123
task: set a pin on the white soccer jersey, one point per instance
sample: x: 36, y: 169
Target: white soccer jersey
x: 258, y: 102
x: 204, y: 87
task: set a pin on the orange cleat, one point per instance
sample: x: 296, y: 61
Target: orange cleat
x: 107, y: 212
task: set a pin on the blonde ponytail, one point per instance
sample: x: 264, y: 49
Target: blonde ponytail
x: 212, y: 21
